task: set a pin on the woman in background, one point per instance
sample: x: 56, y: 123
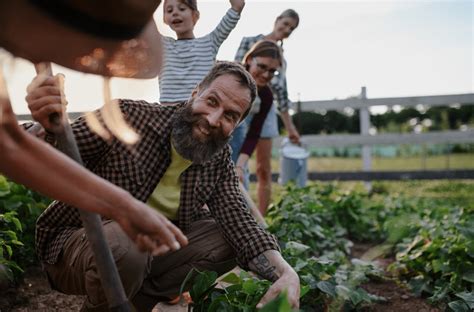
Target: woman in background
x: 284, y: 25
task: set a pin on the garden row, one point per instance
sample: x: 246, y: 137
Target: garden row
x: 432, y: 242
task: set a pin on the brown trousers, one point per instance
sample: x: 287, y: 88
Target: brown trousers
x: 146, y: 279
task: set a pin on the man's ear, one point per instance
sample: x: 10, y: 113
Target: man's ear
x: 195, y: 16
x: 195, y: 92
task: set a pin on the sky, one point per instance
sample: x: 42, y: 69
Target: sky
x: 394, y: 48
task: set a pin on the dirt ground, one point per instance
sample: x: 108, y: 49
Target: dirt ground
x: 35, y: 294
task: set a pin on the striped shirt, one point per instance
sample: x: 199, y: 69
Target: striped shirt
x: 187, y: 61
x: 278, y: 83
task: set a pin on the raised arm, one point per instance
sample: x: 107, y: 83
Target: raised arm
x: 237, y: 5
x: 227, y: 24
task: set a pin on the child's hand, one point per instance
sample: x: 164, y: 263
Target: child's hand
x: 237, y: 5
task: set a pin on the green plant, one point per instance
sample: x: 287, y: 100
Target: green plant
x: 439, y: 259
x: 19, y: 207
x: 10, y: 225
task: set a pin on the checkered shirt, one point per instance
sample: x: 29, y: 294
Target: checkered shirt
x: 139, y: 169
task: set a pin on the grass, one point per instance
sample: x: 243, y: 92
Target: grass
x: 324, y: 164
x: 450, y: 191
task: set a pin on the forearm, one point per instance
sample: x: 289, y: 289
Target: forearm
x: 287, y: 121
x: 29, y: 161
x: 270, y: 265
x: 242, y: 160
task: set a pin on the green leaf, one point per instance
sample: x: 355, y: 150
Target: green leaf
x: 468, y: 276
x: 304, y: 290
x: 279, y: 304
x: 4, y: 186
x: 9, y: 250
x: 458, y: 306
x: 296, y: 248
x: 17, y: 224
x: 250, y: 287
x: 203, y: 284
x: 327, y: 288
x: 468, y: 297
x: 231, y: 278
x: 343, y: 292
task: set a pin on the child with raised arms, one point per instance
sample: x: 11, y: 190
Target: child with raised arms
x: 187, y: 59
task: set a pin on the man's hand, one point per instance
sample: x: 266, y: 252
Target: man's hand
x: 271, y: 265
x: 44, y: 98
x: 237, y: 5
x: 150, y: 230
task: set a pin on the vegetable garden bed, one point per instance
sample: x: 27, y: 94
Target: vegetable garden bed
x: 353, y: 251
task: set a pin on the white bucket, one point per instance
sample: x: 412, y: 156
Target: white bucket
x: 293, y: 163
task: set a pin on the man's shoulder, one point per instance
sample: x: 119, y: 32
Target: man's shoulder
x: 142, y: 112
x: 144, y: 107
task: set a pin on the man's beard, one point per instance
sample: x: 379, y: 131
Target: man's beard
x: 185, y: 142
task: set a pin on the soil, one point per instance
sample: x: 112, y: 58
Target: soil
x: 35, y: 294
x: 399, y: 297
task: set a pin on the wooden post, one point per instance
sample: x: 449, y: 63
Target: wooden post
x: 364, y: 122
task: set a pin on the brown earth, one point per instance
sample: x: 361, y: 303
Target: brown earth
x: 399, y: 297
x: 35, y: 294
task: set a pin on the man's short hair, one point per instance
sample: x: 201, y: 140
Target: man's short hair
x: 238, y: 71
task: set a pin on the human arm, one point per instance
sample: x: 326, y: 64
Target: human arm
x: 229, y: 209
x: 225, y: 26
x: 37, y: 165
x: 293, y: 134
x: 44, y: 97
x: 280, y: 91
x: 240, y: 165
x: 253, y: 208
x: 256, y: 124
x: 237, y: 5
x: 271, y: 266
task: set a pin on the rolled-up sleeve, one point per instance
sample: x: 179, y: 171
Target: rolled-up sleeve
x: 239, y: 227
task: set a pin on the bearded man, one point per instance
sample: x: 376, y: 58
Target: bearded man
x: 182, y: 167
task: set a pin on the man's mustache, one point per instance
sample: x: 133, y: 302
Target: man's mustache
x: 197, y: 120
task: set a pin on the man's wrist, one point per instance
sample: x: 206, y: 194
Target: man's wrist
x: 50, y: 137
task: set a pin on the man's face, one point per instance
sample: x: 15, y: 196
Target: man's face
x: 204, y: 126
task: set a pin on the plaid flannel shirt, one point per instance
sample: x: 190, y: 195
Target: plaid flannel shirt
x: 139, y: 169
x: 278, y: 83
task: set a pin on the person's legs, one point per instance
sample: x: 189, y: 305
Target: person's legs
x: 263, y: 159
x: 264, y: 173
x: 76, y: 272
x: 238, y: 137
x: 207, y: 250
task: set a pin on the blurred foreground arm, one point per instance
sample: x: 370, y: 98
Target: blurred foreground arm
x: 35, y: 164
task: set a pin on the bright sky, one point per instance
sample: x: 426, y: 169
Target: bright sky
x: 394, y: 48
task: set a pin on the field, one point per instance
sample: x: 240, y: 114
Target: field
x: 437, y: 162
x: 405, y: 246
